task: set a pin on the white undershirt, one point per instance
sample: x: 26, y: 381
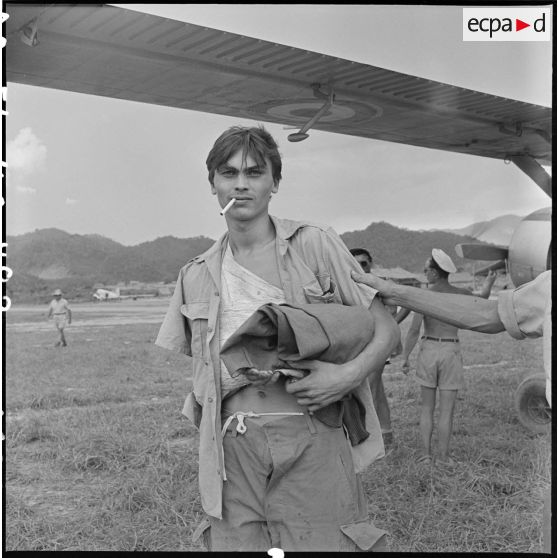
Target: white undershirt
x: 243, y: 292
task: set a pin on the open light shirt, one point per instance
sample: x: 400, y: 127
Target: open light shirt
x: 242, y: 293
x: 59, y: 306
x: 314, y: 267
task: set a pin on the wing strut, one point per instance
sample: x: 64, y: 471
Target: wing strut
x: 533, y: 169
x: 301, y: 134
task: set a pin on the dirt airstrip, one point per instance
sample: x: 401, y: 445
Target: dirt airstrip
x: 33, y: 318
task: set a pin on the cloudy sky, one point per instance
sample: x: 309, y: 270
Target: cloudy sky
x: 134, y: 172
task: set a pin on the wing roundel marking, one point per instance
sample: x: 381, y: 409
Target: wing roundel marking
x: 300, y: 111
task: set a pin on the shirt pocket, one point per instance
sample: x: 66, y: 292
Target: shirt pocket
x: 322, y: 290
x: 198, y: 316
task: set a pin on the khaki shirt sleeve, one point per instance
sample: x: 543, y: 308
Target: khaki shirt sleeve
x: 175, y: 333
x: 522, y: 310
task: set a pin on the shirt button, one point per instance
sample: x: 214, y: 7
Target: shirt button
x: 210, y: 399
x: 216, y: 293
x: 207, y: 363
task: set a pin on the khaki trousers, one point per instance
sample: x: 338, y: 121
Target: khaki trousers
x: 291, y: 485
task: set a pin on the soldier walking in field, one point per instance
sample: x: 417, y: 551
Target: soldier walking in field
x: 60, y: 311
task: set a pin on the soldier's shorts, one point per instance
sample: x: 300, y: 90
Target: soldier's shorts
x: 440, y: 365
x: 60, y: 321
x: 291, y: 485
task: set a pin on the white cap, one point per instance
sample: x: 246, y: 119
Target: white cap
x: 57, y: 292
x: 443, y: 260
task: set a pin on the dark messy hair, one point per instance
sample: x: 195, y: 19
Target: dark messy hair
x: 361, y: 252
x: 254, y: 141
x: 441, y: 272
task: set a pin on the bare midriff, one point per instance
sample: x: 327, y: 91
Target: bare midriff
x: 270, y: 398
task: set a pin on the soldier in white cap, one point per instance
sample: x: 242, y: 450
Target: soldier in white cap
x: 61, y: 313
x: 524, y: 312
x: 439, y: 364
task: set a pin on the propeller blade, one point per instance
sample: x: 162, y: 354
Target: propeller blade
x: 500, y: 264
x: 487, y: 252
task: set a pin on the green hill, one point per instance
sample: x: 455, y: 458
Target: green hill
x: 395, y: 247
x: 50, y: 258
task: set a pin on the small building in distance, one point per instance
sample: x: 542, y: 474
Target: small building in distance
x: 133, y: 290
x: 464, y: 279
x: 166, y: 289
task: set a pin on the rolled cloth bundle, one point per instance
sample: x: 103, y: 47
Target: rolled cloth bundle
x: 277, y: 336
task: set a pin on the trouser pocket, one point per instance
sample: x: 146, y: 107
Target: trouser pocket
x: 365, y: 536
x: 202, y: 534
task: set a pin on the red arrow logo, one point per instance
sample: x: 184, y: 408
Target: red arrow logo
x: 519, y: 25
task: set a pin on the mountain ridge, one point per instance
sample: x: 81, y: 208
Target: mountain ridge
x: 52, y: 258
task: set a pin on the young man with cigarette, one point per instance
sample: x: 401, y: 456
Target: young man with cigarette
x: 276, y: 476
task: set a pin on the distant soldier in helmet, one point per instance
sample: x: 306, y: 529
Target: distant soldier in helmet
x: 59, y: 310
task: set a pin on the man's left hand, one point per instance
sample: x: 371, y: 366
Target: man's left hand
x: 325, y: 384
x: 490, y: 278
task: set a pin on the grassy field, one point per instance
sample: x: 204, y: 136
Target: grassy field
x: 99, y: 457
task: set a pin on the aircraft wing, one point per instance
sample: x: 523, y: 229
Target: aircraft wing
x: 114, y: 52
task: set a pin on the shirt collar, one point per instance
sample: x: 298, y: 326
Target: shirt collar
x: 284, y: 229
x: 215, y: 250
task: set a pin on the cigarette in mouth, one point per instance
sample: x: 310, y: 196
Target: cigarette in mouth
x: 227, y: 207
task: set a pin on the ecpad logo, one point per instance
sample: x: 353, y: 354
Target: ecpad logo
x: 507, y: 24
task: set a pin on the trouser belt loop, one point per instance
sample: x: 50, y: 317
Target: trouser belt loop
x: 310, y: 423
